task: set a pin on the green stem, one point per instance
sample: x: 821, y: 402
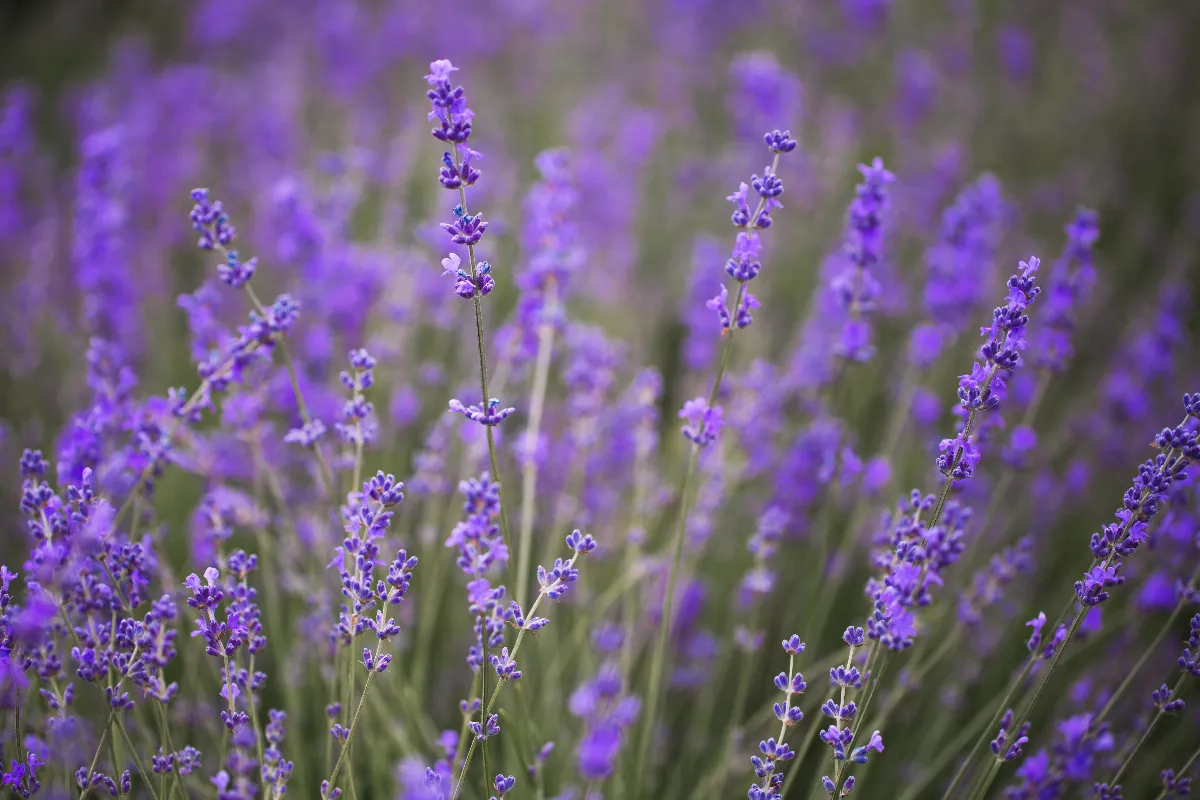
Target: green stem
x: 1162, y: 634
x: 537, y: 401
x: 658, y: 659
x: 251, y: 701
x: 491, y: 703
x: 483, y: 386
x: 946, y: 755
x: 1146, y: 734
x: 483, y: 637
x: 353, y: 723
x: 136, y: 759
x: 301, y: 406
x: 87, y: 785
x: 1182, y: 771
x: 166, y: 727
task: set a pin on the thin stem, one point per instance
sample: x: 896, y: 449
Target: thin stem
x: 1146, y: 734
x: 353, y: 722
x: 1182, y: 771
x: 491, y: 703
x: 992, y: 723
x: 136, y: 759
x: 258, y: 748
x: 658, y: 659
x: 483, y: 637
x: 483, y: 386
x: 1162, y: 634
x: 87, y: 784
x: 166, y: 726
x: 945, y: 755
x: 537, y: 401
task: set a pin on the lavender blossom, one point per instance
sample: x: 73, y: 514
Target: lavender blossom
x: 857, y: 287
x: 775, y: 751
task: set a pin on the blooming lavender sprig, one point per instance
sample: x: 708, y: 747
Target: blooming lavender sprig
x: 1002, y: 747
x: 367, y: 519
x: 1070, y: 280
x: 703, y: 417
x: 553, y: 584
x: 481, y: 547
x: 276, y: 771
x: 743, y: 265
x: 1164, y: 700
x: 454, y: 125
x: 1178, y: 446
x: 959, y: 266
x: 269, y: 327
x: 856, y: 287
x: 774, y: 751
x: 551, y: 240
x: 916, y: 549
x: 839, y: 738
x: 223, y: 639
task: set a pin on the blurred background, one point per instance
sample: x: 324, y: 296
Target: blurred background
x: 308, y: 119
x: 1067, y: 103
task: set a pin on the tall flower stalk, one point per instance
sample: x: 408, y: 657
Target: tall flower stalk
x: 703, y: 417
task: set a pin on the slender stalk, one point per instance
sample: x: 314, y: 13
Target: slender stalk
x: 1162, y: 634
x: 1182, y: 771
x: 658, y: 659
x: 166, y: 727
x: 483, y: 385
x: 483, y: 637
x: 945, y: 755
x: 136, y: 759
x: 1146, y: 734
x: 491, y: 703
x: 301, y: 406
x: 353, y: 722
x: 537, y: 402
x: 87, y: 784
x: 1172, y: 459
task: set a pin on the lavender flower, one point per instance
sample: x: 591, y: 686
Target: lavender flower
x: 857, y: 287
x: 773, y: 751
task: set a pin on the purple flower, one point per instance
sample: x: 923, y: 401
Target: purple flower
x: 1070, y: 281
x: 856, y: 286
x: 492, y: 415
x: 703, y: 423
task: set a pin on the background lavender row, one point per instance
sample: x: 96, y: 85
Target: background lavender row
x: 610, y: 133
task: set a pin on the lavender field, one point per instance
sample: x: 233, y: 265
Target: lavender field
x: 570, y: 400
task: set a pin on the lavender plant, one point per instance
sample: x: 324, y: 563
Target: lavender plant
x: 253, y: 586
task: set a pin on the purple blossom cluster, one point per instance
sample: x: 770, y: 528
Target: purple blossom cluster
x: 857, y: 287
x: 1033, y: 669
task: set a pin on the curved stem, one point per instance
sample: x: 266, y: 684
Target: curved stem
x: 136, y: 759
x: 992, y: 723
